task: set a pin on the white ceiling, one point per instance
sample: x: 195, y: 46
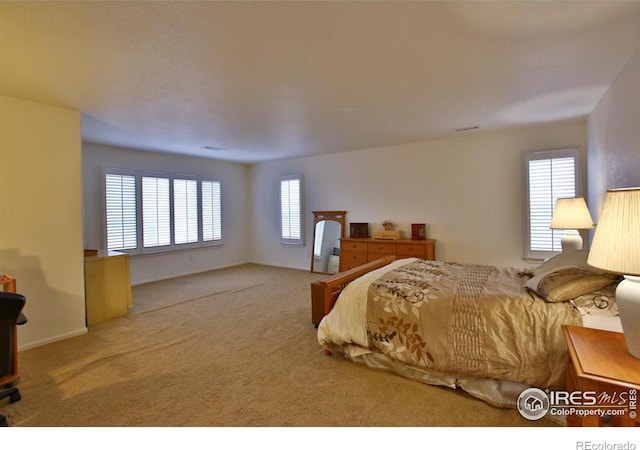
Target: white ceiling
x: 270, y: 80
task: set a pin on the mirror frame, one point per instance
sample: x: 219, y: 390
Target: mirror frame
x: 318, y: 216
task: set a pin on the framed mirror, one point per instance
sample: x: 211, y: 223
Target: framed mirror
x: 328, y: 228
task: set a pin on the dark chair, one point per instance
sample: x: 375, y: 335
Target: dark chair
x: 10, y: 316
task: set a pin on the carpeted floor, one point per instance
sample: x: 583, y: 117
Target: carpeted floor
x: 228, y: 348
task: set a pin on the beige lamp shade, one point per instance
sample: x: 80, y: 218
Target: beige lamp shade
x: 616, y: 243
x: 616, y: 248
x: 571, y: 214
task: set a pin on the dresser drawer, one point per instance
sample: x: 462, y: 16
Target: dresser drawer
x: 353, y: 246
x: 410, y: 250
x: 381, y: 248
x: 353, y: 258
x: 345, y: 265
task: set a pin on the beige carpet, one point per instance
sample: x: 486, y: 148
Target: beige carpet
x: 233, y: 347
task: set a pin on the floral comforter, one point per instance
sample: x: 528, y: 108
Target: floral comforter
x: 462, y: 319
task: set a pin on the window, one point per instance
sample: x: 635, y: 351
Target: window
x: 291, y: 209
x: 211, y: 211
x: 121, y: 218
x: 549, y: 175
x: 185, y: 211
x: 156, y: 215
x: 168, y: 212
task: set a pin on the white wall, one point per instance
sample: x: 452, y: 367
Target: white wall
x: 145, y: 268
x: 41, y: 226
x: 614, y: 137
x: 468, y: 189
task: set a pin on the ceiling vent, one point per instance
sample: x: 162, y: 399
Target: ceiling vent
x: 468, y: 128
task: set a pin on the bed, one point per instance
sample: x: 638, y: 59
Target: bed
x: 488, y: 330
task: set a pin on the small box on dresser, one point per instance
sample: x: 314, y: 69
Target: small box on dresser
x: 359, y: 230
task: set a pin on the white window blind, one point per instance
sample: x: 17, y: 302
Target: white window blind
x: 120, y: 211
x: 185, y: 211
x: 550, y: 175
x: 156, y: 214
x: 153, y: 211
x: 291, y: 209
x: 211, y: 211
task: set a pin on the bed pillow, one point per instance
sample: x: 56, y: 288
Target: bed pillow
x: 573, y: 258
x: 568, y: 282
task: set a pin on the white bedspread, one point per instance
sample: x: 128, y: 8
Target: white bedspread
x: 347, y: 324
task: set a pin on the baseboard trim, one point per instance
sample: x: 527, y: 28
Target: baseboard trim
x: 283, y: 266
x: 184, y: 274
x: 52, y: 339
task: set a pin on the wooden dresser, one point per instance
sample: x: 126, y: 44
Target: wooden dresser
x: 355, y: 252
x: 107, y: 285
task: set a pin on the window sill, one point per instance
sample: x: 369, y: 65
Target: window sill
x: 151, y: 252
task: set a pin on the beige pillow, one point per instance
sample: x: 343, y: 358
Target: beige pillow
x: 567, y: 283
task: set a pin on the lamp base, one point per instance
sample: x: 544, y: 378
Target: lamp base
x: 628, y: 299
x: 571, y: 241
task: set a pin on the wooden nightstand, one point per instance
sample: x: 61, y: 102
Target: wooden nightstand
x: 600, y: 362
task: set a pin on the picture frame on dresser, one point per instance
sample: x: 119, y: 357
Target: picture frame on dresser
x: 418, y: 231
x: 358, y: 230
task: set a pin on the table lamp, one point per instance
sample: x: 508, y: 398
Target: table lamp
x: 616, y: 248
x: 571, y: 215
